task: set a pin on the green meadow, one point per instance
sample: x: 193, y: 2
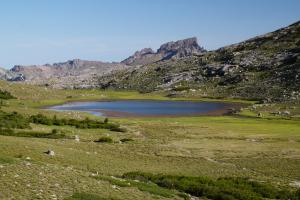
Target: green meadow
x: 238, y: 156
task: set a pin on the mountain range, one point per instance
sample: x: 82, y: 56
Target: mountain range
x: 265, y: 67
x: 85, y: 74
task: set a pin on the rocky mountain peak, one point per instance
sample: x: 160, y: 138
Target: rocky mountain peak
x: 189, y: 43
x: 144, y: 52
x: 177, y: 49
x: 180, y: 48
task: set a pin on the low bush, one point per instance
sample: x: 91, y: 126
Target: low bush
x: 105, y: 120
x: 35, y: 134
x: 222, y: 188
x: 6, y: 95
x: 104, y: 140
x: 13, y: 120
x: 181, y: 88
x: 224, y: 56
x: 82, y: 124
x: 117, y: 129
x: 152, y: 188
x: 126, y: 140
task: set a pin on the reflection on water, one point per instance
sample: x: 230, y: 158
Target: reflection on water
x: 142, y: 108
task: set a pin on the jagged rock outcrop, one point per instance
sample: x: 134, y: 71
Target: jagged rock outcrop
x: 178, y: 49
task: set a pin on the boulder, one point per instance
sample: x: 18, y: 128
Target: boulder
x: 50, y: 153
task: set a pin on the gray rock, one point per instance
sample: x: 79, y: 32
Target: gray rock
x: 50, y: 153
x: 286, y: 112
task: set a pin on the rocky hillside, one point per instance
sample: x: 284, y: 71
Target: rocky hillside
x: 265, y: 67
x: 71, y: 74
x: 85, y: 74
x: 178, y: 49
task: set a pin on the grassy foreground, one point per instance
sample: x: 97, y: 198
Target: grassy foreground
x: 262, y: 149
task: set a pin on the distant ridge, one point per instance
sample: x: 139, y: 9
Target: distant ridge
x: 84, y: 74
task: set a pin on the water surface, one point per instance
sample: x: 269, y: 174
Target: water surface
x: 143, y: 107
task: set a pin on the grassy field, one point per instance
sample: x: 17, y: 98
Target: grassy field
x: 265, y: 149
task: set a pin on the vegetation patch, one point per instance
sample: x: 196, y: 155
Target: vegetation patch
x: 36, y: 134
x: 6, y: 160
x: 221, y: 188
x: 13, y: 120
x: 104, y: 140
x: 82, y: 124
x: 6, y: 95
x: 124, y: 140
x: 150, y: 187
x: 86, y: 196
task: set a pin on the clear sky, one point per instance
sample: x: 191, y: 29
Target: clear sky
x: 47, y: 31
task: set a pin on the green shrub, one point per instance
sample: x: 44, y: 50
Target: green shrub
x: 104, y: 140
x: 105, y: 120
x: 224, y: 56
x: 36, y: 134
x: 126, y: 140
x: 146, y: 187
x: 13, y: 120
x: 82, y: 124
x: 40, y: 119
x: 54, y: 131
x: 222, y: 188
x: 117, y: 129
x: 6, y: 95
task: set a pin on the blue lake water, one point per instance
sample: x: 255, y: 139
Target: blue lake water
x: 142, y: 107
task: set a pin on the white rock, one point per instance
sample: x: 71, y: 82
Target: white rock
x: 77, y: 138
x: 295, y: 184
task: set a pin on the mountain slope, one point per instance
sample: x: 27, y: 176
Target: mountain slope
x: 264, y: 67
x: 71, y: 74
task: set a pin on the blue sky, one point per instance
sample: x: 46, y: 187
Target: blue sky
x: 47, y: 31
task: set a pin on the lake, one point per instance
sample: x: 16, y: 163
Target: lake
x: 122, y: 108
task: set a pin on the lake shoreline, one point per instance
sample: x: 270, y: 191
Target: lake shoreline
x: 228, y: 108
